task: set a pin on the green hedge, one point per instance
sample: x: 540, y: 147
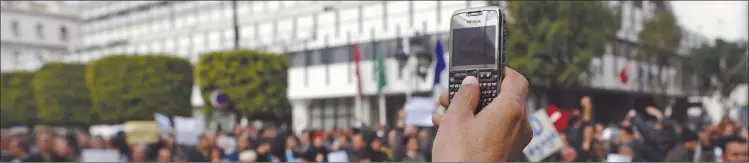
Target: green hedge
x: 61, y: 95
x: 133, y: 87
x: 17, y: 104
x: 254, y: 81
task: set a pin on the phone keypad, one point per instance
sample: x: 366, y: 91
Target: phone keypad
x: 488, y: 84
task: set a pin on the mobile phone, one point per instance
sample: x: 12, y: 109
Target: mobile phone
x: 477, y: 39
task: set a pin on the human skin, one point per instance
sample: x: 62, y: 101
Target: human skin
x: 498, y: 133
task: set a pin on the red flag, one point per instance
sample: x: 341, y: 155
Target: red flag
x: 357, y: 58
x: 558, y: 117
x: 623, y: 75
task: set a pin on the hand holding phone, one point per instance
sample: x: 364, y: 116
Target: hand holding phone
x: 477, y: 36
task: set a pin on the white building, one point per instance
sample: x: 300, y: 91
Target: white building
x: 32, y: 33
x: 317, y: 35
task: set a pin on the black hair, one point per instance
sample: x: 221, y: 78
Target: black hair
x: 24, y: 145
x: 723, y: 141
x: 409, y: 138
x: 627, y: 129
x: 573, y: 119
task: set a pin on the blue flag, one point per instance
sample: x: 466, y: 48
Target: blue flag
x: 440, y: 65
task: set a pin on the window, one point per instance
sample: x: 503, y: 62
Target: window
x: 40, y: 31
x: 340, y: 54
x: 314, y: 58
x: 15, y: 27
x: 63, y: 33
x: 297, y: 59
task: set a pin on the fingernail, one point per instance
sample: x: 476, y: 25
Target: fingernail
x: 470, y: 80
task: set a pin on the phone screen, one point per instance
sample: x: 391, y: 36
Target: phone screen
x: 473, y: 46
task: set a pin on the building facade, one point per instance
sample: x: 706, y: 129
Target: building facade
x: 318, y: 36
x: 33, y: 33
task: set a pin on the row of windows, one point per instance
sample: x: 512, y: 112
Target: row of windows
x: 307, y: 21
x: 331, y: 113
x: 183, y: 14
x: 344, y: 54
x: 16, y: 27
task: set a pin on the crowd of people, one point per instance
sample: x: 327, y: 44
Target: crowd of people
x: 650, y: 137
x: 499, y: 132
x: 268, y: 144
x: 642, y: 139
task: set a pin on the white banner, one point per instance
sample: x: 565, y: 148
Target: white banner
x: 100, y: 155
x: 545, y: 141
x: 187, y: 130
x: 419, y: 111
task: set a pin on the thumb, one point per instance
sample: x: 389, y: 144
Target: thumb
x: 464, y: 102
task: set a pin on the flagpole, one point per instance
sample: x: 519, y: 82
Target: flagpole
x: 383, y: 112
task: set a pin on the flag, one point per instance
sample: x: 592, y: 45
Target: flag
x: 440, y: 65
x: 381, y: 77
x: 357, y: 58
x: 623, y: 77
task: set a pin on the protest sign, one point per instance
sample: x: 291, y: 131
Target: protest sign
x: 545, y: 141
x: 105, y: 131
x: 165, y: 126
x: 100, y: 155
x: 339, y: 156
x: 419, y: 111
x: 141, y: 132
x: 618, y: 158
x: 187, y: 130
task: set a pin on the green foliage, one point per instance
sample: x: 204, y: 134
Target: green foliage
x: 254, y: 81
x: 660, y: 36
x: 17, y: 105
x: 61, y: 95
x: 133, y: 87
x: 552, y: 42
x: 725, y: 62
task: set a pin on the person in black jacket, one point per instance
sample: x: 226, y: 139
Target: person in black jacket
x: 317, y: 152
x: 21, y: 152
x: 263, y: 150
x: 291, y: 153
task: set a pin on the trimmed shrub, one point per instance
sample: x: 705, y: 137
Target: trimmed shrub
x: 133, y: 87
x: 254, y: 81
x: 61, y: 94
x: 17, y: 104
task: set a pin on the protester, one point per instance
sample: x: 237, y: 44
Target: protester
x: 291, y: 153
x: 20, y: 152
x: 684, y: 152
x: 413, y: 154
x: 165, y: 155
x: 735, y: 149
x: 317, y: 152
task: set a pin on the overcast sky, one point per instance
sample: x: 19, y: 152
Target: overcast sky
x: 723, y: 19
x: 712, y: 19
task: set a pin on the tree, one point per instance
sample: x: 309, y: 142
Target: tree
x: 254, y: 81
x: 724, y: 64
x: 660, y: 38
x: 61, y: 95
x: 134, y: 87
x: 552, y: 42
x: 17, y: 104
